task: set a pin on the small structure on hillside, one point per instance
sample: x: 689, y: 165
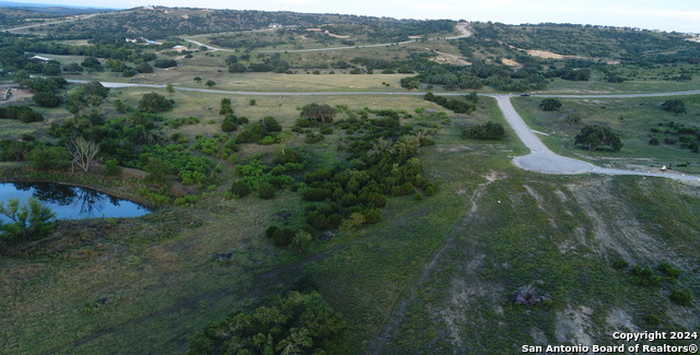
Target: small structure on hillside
x: 179, y: 48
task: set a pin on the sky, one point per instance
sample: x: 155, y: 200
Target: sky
x: 669, y: 15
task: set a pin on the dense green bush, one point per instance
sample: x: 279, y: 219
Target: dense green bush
x: 550, y: 105
x: 675, y: 106
x: 240, y: 189
x: 488, y: 130
x: 645, y: 276
x: 682, y: 297
x: 21, y: 113
x: 154, y: 103
x: 46, y: 99
x: 49, y: 158
x: 297, y: 323
x: 597, y: 137
x: 165, y: 63
x: 456, y: 105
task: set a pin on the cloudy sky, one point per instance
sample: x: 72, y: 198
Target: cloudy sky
x: 678, y: 15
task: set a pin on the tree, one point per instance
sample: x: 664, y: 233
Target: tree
x: 271, y: 125
x: 155, y: 103
x: 550, y: 105
x: 32, y: 220
x: 197, y: 80
x: 229, y: 124
x: 84, y: 153
x: 226, y: 108
x: 596, y: 137
x: 321, y: 113
x: 210, y: 83
x: 92, y: 64
x: 169, y: 88
x: 46, y: 99
x: 91, y: 94
x: 675, y: 106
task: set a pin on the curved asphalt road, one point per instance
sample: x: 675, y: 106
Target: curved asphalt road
x: 540, y: 159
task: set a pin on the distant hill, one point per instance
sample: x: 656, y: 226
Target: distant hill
x: 51, y: 9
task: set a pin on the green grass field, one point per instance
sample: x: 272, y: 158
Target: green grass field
x: 633, y: 118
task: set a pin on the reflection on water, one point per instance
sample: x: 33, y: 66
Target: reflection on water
x: 71, y: 202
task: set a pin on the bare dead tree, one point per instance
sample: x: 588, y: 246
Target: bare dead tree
x: 84, y: 153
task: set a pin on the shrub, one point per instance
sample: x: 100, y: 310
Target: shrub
x: 165, y: 63
x: 21, y: 113
x: 674, y: 106
x: 270, y: 124
x: 488, y: 130
x: 372, y: 216
x: 229, y: 124
x: 240, y: 189
x: 316, y: 194
x: 313, y: 138
x: 154, y: 103
x: 669, y: 270
x: 46, y: 99
x: 321, y: 113
x: 550, y: 105
x: 112, y: 168
x: 595, y: 137
x: 653, y: 141
x: 456, y: 105
x: 144, y: 68
x: 266, y: 191
x: 49, y: 158
x: 644, y: 276
x: 282, y: 237
x: 682, y: 297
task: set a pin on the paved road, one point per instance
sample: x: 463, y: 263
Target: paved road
x: 540, y: 159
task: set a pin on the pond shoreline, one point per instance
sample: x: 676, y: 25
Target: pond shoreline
x: 73, y: 201
x: 99, y: 188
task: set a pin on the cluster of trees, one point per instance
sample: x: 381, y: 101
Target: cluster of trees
x: 163, y: 24
x: 630, y: 45
x: 45, y: 90
x: 466, y: 105
x: 321, y: 113
x: 597, y: 137
x: 22, y: 113
x: 488, y: 130
x: 688, y: 137
x: 155, y: 103
x: 675, y: 106
x: 296, y: 323
x: 273, y: 63
x: 475, y: 76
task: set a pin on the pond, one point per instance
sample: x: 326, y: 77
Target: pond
x: 71, y: 202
